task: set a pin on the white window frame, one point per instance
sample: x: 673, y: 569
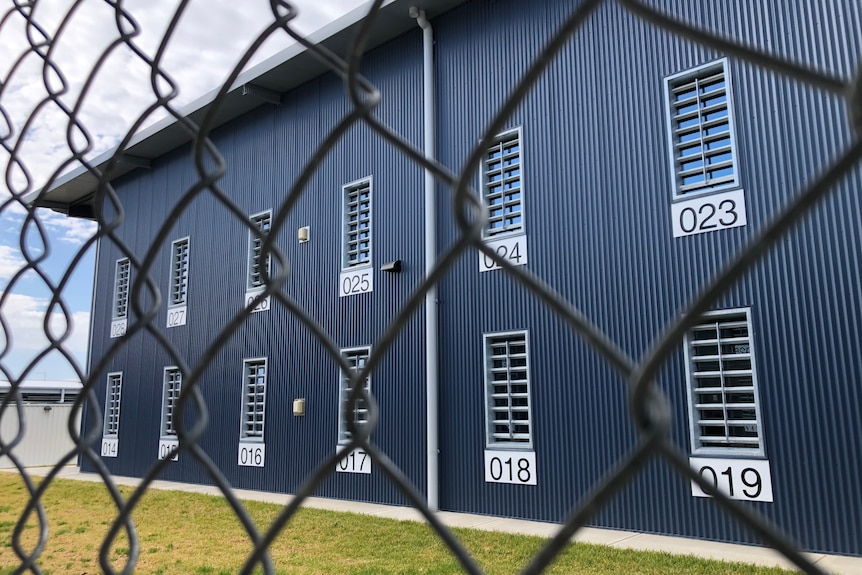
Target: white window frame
x: 490, y: 441
x: 179, y: 277
x: 167, y: 429
x: 670, y: 83
x: 346, y: 189
x: 255, y: 245
x: 344, y: 435
x: 498, y: 140
x: 694, y: 428
x: 113, y: 400
x: 247, y: 392
x: 122, y: 285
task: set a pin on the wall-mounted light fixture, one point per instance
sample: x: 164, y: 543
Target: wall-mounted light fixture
x: 302, y: 234
x: 391, y: 267
x: 299, y: 407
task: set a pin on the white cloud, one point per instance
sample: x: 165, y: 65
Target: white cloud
x: 74, y: 231
x: 10, y: 263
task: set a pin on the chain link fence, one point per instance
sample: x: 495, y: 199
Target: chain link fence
x: 649, y: 407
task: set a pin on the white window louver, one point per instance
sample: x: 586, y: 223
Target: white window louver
x: 171, y: 392
x: 357, y: 224
x: 121, y: 289
x: 503, y: 184
x: 113, y: 394
x: 356, y: 359
x: 254, y: 399
x: 256, y: 267
x: 179, y: 271
x: 507, y: 388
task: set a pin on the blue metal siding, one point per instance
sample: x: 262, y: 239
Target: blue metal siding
x: 597, y: 203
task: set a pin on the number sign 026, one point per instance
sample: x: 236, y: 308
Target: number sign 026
x: 352, y: 282
x: 745, y: 479
x: 511, y: 248
x: 357, y: 461
x: 518, y: 467
x: 262, y: 306
x: 251, y: 455
x: 709, y: 213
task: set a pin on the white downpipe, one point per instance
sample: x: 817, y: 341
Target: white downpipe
x: 431, y: 331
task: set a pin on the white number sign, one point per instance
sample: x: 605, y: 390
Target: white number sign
x: 357, y: 461
x: 517, y: 467
x: 512, y: 248
x: 110, y: 447
x: 176, y: 316
x: 262, y: 306
x: 708, y: 214
x: 745, y: 479
x: 118, y: 328
x: 251, y: 454
x: 165, y: 448
x: 355, y: 282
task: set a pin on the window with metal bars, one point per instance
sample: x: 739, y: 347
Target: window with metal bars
x: 700, y: 115
x: 503, y: 181
x: 256, y: 267
x: 179, y: 271
x: 112, y: 405
x: 253, y: 399
x: 358, y: 412
x: 357, y: 224
x: 170, y: 394
x: 121, y: 289
x: 722, y: 382
x: 507, y: 390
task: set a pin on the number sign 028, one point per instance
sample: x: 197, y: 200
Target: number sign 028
x: 745, y: 479
x: 118, y: 328
x: 511, y: 248
x: 251, y: 455
x: 357, y: 461
x: 709, y: 213
x: 352, y: 282
x: 518, y: 467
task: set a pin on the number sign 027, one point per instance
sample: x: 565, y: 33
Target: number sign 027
x: 352, y: 282
x: 511, y: 248
x: 709, y: 213
x: 518, y: 467
x: 176, y: 316
x: 745, y: 479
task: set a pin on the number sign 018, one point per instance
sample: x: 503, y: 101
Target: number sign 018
x: 518, y: 467
x: 511, y: 248
x: 352, y: 282
x: 357, y: 461
x: 709, y: 213
x: 745, y: 479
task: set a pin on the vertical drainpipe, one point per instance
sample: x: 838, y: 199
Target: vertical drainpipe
x: 431, y: 332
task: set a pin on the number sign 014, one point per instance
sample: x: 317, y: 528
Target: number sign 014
x: 511, y: 248
x: 745, y: 479
x: 118, y: 328
x: 110, y: 447
x: 518, y: 467
x: 708, y: 213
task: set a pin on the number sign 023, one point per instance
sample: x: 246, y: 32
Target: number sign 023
x: 709, y: 213
x: 745, y: 479
x: 357, y: 461
x: 511, y: 248
x: 518, y: 467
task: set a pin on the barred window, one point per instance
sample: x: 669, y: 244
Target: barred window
x: 262, y: 222
x: 356, y: 359
x: 700, y: 118
x: 503, y: 184
x: 171, y: 392
x: 121, y: 289
x: 507, y: 390
x: 253, y: 399
x: 112, y: 405
x: 724, y: 409
x: 357, y: 224
x: 179, y: 271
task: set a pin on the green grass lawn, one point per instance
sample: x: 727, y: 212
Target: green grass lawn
x: 191, y: 533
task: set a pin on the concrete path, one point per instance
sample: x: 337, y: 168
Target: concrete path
x: 621, y: 539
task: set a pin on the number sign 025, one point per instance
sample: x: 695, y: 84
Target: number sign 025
x: 352, y: 282
x: 511, y: 248
x: 745, y: 479
x: 518, y: 467
x: 709, y: 213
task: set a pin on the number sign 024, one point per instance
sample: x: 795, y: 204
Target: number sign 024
x: 518, y: 467
x: 511, y: 248
x: 352, y: 282
x: 709, y: 213
x: 357, y: 461
x: 745, y: 479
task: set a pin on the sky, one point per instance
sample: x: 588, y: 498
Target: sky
x: 209, y: 40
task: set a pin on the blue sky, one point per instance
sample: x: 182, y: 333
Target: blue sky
x: 211, y: 36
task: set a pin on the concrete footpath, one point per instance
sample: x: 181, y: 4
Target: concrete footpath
x: 609, y: 537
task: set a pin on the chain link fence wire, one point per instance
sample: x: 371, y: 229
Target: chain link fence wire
x: 649, y: 407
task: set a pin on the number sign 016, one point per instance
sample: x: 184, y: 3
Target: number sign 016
x: 745, y: 479
x: 251, y: 455
x: 357, y: 461
x: 518, y: 467
x: 511, y: 248
x: 709, y: 213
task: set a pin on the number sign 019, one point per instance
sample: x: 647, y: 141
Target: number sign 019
x: 709, y: 213
x: 513, y: 249
x: 357, y: 461
x: 745, y: 479
x: 518, y: 467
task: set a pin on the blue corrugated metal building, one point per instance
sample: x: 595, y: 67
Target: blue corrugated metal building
x: 637, y: 165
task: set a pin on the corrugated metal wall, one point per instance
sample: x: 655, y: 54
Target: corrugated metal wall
x: 597, y: 209
x: 46, y: 439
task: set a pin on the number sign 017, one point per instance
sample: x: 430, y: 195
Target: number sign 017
x: 513, y: 249
x: 357, y: 461
x: 518, y: 467
x: 709, y: 213
x: 745, y: 479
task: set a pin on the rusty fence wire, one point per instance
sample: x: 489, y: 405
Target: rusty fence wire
x: 648, y: 405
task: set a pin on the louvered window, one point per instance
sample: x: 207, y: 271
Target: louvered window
x: 112, y: 405
x: 358, y: 411
x: 357, y: 224
x: 121, y: 289
x: 171, y: 393
x: 701, y: 130
x: 179, y: 271
x: 253, y: 399
x: 256, y: 267
x: 507, y: 389
x: 725, y: 415
x: 502, y: 180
